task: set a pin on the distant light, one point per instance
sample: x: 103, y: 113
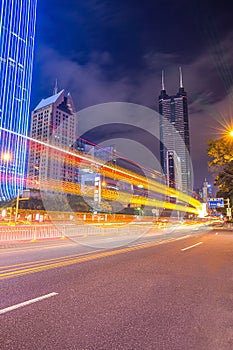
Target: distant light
x: 6, y: 156
x: 203, y: 211
x: 140, y: 186
x: 231, y: 133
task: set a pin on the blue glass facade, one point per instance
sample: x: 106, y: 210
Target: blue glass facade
x: 17, y: 34
x: 174, y: 136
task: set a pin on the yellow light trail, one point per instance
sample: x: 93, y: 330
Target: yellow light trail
x: 44, y: 265
x: 117, y: 173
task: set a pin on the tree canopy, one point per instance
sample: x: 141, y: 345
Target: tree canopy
x: 220, y: 152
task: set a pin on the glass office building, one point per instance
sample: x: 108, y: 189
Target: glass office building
x: 17, y: 34
x: 174, y: 138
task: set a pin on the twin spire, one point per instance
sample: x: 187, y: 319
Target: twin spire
x: 163, y: 87
x: 181, y: 79
x: 55, y: 90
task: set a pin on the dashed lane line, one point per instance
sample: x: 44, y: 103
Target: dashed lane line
x: 191, y: 246
x: 28, y: 302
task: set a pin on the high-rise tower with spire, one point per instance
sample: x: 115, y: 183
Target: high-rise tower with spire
x: 174, y: 137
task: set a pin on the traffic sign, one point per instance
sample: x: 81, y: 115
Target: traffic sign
x: 215, y: 203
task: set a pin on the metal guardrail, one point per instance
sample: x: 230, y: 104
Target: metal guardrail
x: 8, y: 234
x: 27, y: 233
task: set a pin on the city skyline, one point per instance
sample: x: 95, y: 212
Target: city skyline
x: 115, y: 52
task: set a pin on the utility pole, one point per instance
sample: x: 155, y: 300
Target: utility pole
x: 17, y: 206
x: 18, y: 199
x: 228, y: 208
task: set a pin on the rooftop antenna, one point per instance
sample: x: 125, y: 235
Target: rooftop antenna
x: 55, y: 90
x: 181, y: 78
x: 163, y: 87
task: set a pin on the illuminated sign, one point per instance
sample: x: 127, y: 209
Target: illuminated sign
x: 216, y: 203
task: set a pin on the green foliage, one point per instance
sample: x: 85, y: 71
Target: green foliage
x: 220, y: 153
x: 224, y: 180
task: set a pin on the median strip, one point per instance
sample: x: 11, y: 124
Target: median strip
x: 28, y: 302
x: 191, y: 246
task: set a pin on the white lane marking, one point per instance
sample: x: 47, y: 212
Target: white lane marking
x: 163, y: 241
x: 31, y: 301
x: 182, y: 237
x: 191, y: 246
x: 137, y: 244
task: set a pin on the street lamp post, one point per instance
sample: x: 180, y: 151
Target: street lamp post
x: 17, y: 206
x: 17, y: 202
x: 229, y: 214
x: 228, y: 208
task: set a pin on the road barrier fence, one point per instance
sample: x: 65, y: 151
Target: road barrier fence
x: 39, y: 232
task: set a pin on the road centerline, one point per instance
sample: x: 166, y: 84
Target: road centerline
x: 27, y: 302
x: 191, y: 246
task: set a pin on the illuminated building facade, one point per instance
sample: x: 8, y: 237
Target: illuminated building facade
x: 54, y: 122
x: 17, y: 33
x: 174, y: 135
x: 106, y: 154
x: 173, y: 168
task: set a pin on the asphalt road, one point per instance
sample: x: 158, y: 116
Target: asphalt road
x: 148, y: 294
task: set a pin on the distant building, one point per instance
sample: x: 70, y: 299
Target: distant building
x: 205, y: 192
x: 90, y: 178
x: 174, y: 133
x: 17, y: 33
x: 88, y: 173
x: 54, y: 122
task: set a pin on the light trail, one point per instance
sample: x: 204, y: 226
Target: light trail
x: 116, y: 173
x: 40, y: 266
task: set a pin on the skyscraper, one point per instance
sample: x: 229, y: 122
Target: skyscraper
x: 54, y: 122
x: 17, y: 33
x: 174, y: 137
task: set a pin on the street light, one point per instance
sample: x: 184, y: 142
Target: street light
x: 6, y: 156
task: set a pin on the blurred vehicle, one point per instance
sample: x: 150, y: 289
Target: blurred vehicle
x: 216, y: 221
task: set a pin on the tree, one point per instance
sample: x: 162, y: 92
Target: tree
x: 224, y: 181
x: 220, y: 152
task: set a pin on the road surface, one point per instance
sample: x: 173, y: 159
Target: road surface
x: 167, y: 293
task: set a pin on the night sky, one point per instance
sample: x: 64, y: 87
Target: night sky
x: 113, y: 51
